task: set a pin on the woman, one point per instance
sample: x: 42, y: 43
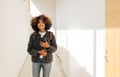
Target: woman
x: 42, y: 44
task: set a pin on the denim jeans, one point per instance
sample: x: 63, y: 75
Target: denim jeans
x: 36, y: 68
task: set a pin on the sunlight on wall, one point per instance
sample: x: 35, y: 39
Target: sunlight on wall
x: 100, y: 53
x: 62, y: 38
x: 33, y: 10
x: 80, y: 44
x: 86, y: 46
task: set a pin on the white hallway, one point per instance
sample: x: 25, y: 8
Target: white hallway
x: 79, y: 34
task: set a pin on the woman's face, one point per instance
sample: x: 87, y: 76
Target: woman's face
x: 41, y: 25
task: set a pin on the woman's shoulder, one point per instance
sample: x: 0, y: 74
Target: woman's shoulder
x: 50, y: 32
x: 33, y: 33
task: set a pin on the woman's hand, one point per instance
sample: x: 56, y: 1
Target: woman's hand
x: 44, y: 44
x: 42, y: 52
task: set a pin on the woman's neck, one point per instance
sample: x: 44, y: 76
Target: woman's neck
x: 42, y: 31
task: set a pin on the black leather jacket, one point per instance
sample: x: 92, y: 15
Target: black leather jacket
x: 34, y: 46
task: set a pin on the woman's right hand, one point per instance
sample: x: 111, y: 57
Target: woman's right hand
x: 42, y: 52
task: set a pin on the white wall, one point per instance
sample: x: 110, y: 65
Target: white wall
x: 77, y: 23
x: 14, y: 32
x: 48, y: 8
x: 87, y: 14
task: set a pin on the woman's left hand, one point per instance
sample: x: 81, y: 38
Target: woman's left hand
x: 44, y: 44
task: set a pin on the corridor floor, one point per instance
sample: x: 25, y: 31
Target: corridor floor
x: 56, y: 70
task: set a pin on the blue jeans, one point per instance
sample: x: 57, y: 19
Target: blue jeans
x: 36, y: 68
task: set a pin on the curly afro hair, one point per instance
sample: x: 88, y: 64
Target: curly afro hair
x: 46, y: 20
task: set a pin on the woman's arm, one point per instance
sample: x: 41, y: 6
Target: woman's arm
x: 30, y: 48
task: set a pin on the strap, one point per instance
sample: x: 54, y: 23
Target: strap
x: 51, y: 35
x: 34, y: 35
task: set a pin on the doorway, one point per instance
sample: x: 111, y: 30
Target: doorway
x: 112, y: 59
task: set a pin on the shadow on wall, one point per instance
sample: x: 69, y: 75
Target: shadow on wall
x: 70, y: 66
